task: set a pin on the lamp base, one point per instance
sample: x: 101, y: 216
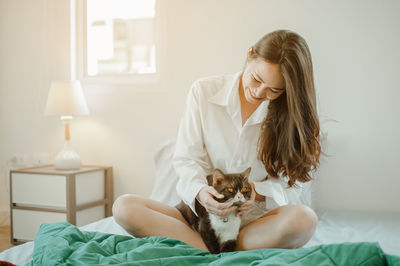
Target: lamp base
x: 67, y: 159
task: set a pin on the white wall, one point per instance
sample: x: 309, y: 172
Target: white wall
x: 356, y: 60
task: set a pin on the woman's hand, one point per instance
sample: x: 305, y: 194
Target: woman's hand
x: 206, y: 198
x: 248, y: 204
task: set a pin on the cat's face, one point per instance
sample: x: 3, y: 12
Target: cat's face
x: 234, y: 187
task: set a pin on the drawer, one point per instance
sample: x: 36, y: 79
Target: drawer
x: 23, y: 230
x: 89, y: 187
x: 90, y: 215
x: 39, y: 189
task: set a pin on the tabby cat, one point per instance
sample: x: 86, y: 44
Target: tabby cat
x: 219, y: 234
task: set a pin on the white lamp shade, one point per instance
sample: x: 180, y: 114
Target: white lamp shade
x: 66, y: 99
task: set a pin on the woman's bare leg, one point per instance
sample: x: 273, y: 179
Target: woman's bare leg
x: 289, y: 226
x: 145, y: 217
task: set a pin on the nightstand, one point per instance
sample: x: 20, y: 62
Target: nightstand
x: 46, y: 195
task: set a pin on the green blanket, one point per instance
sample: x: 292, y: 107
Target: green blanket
x: 64, y: 244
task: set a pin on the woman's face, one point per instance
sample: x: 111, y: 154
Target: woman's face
x: 262, y: 81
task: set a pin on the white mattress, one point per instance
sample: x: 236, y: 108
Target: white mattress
x: 333, y: 227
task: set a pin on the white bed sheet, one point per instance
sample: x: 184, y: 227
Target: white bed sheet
x: 337, y: 226
x: 333, y: 227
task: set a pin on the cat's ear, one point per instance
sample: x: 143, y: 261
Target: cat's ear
x: 246, y: 173
x: 217, y: 176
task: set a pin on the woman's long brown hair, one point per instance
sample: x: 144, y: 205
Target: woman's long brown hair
x: 289, y: 140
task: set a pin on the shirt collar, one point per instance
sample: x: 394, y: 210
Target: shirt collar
x: 259, y: 114
x: 224, y: 96
x: 228, y: 96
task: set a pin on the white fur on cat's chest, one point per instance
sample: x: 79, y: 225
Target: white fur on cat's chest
x: 230, y: 229
x: 225, y: 230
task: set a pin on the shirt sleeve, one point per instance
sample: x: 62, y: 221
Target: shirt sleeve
x: 278, y: 193
x: 274, y: 193
x: 191, y: 160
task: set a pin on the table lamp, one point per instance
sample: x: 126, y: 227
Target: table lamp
x: 66, y: 100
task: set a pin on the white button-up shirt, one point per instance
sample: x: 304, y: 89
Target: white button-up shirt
x: 211, y: 136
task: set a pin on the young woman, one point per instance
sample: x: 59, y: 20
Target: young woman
x: 263, y: 117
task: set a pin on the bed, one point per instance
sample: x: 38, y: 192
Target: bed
x: 333, y: 227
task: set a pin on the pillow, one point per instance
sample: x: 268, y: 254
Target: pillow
x: 164, y: 189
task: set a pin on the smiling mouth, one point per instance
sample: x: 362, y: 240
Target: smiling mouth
x: 252, y: 95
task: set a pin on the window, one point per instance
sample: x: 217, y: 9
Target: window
x: 118, y: 39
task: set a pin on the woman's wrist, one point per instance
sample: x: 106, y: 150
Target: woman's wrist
x: 258, y: 197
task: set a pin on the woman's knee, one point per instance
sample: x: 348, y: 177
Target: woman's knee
x: 300, y: 225
x: 125, y: 206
